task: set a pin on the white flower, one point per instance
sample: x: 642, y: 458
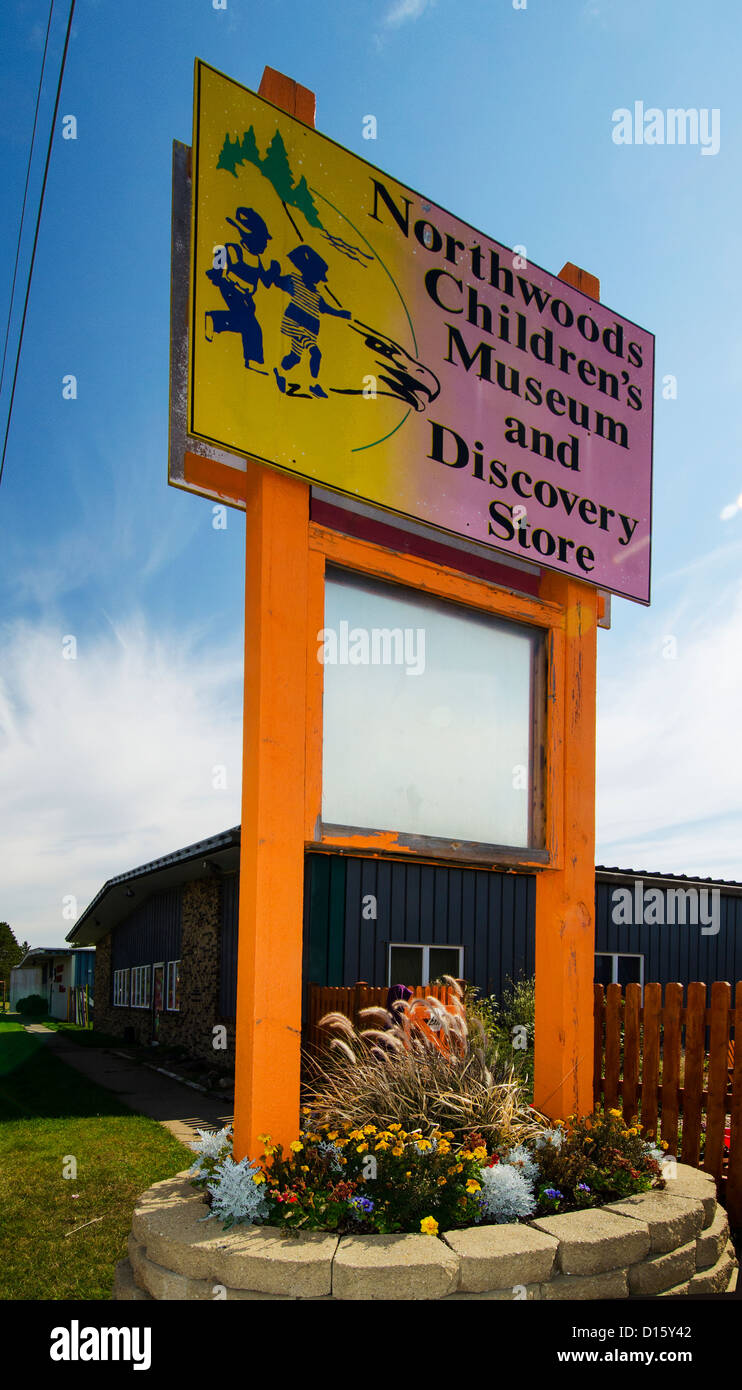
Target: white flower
x: 550, y: 1136
x: 506, y: 1194
x: 522, y: 1159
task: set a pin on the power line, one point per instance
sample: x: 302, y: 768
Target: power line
x: 36, y: 233
x: 25, y: 196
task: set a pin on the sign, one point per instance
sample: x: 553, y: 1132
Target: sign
x: 348, y: 330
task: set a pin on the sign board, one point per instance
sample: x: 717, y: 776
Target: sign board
x: 348, y: 330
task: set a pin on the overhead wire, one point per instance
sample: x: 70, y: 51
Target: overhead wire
x: 36, y: 234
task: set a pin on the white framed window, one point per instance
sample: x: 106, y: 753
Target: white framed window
x: 619, y: 968
x: 414, y: 965
x: 141, y: 977
x: 120, y: 988
x: 172, y: 991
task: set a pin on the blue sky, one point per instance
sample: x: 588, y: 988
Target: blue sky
x: 503, y: 116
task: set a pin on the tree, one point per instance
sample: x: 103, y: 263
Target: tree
x: 11, y: 951
x: 277, y: 169
x: 302, y: 199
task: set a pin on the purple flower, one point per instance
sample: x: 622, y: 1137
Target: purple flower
x: 554, y: 1193
x: 362, y: 1203
x: 582, y: 1187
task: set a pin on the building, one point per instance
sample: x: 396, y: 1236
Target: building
x: 52, y: 972
x: 166, y: 934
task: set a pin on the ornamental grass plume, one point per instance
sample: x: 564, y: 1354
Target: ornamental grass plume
x: 422, y: 1066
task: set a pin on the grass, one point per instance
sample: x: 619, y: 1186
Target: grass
x: 49, y: 1113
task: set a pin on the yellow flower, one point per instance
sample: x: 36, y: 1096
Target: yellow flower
x: 480, y: 1153
x: 466, y: 1153
x: 441, y: 1182
x: 369, y: 1129
x: 473, y: 1186
x: 395, y: 1127
x: 448, y: 1134
x: 296, y: 1146
x: 615, y: 1113
x: 361, y: 1148
x: 444, y: 1147
x: 398, y: 1151
x: 408, y: 1175
x: 380, y: 1146
x: 305, y: 1168
x: 664, y: 1144
x: 356, y: 1134
x: 424, y: 1144
x: 258, y: 1177
x: 264, y: 1139
x: 457, y: 1168
x: 429, y: 1226
x: 332, y: 1134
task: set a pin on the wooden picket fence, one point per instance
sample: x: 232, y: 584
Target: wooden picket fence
x: 349, y: 1000
x: 676, y: 1066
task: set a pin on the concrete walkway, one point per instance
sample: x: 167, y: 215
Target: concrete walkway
x: 178, y: 1107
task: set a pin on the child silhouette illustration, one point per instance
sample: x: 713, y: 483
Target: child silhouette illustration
x: 301, y: 316
x: 238, y: 282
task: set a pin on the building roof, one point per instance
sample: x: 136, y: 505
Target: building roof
x: 117, y: 898
x: 611, y: 875
x: 220, y: 853
x: 41, y: 953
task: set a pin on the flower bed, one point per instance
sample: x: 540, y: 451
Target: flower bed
x: 384, y: 1180
x: 674, y: 1241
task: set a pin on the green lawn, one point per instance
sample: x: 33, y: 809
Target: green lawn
x: 86, y: 1037
x: 49, y: 1112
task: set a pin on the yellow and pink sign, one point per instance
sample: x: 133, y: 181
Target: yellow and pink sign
x: 348, y: 330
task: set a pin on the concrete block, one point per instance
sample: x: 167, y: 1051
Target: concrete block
x: 595, y: 1240
x: 520, y: 1293
x: 717, y: 1278
x: 285, y: 1264
x: 394, y: 1266
x: 611, y: 1284
x: 663, y: 1272
x: 125, y: 1290
x: 672, y: 1221
x: 500, y: 1257
x: 693, y: 1182
x: 712, y: 1243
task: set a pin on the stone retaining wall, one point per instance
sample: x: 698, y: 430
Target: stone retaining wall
x: 659, y: 1243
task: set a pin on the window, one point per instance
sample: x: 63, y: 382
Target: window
x: 140, y: 986
x: 419, y: 965
x: 616, y: 968
x: 172, y: 993
x: 121, y: 988
x: 428, y: 716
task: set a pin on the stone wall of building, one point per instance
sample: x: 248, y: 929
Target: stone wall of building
x: 192, y: 1027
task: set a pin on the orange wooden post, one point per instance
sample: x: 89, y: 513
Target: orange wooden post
x: 269, y: 958
x: 565, y: 892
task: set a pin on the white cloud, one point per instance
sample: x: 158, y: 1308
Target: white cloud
x: 670, y: 746
x: 107, y: 761
x: 403, y: 10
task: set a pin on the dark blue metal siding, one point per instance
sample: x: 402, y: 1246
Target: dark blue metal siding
x: 230, y: 895
x: 674, y: 951
x: 84, y: 968
x: 490, y: 914
x: 150, y: 934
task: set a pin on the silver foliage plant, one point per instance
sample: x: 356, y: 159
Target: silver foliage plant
x: 211, y: 1147
x: 507, y: 1195
x: 236, y: 1199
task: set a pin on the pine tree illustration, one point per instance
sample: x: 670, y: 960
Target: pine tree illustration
x: 302, y: 199
x: 249, y: 152
x: 277, y: 169
x: 230, y: 156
